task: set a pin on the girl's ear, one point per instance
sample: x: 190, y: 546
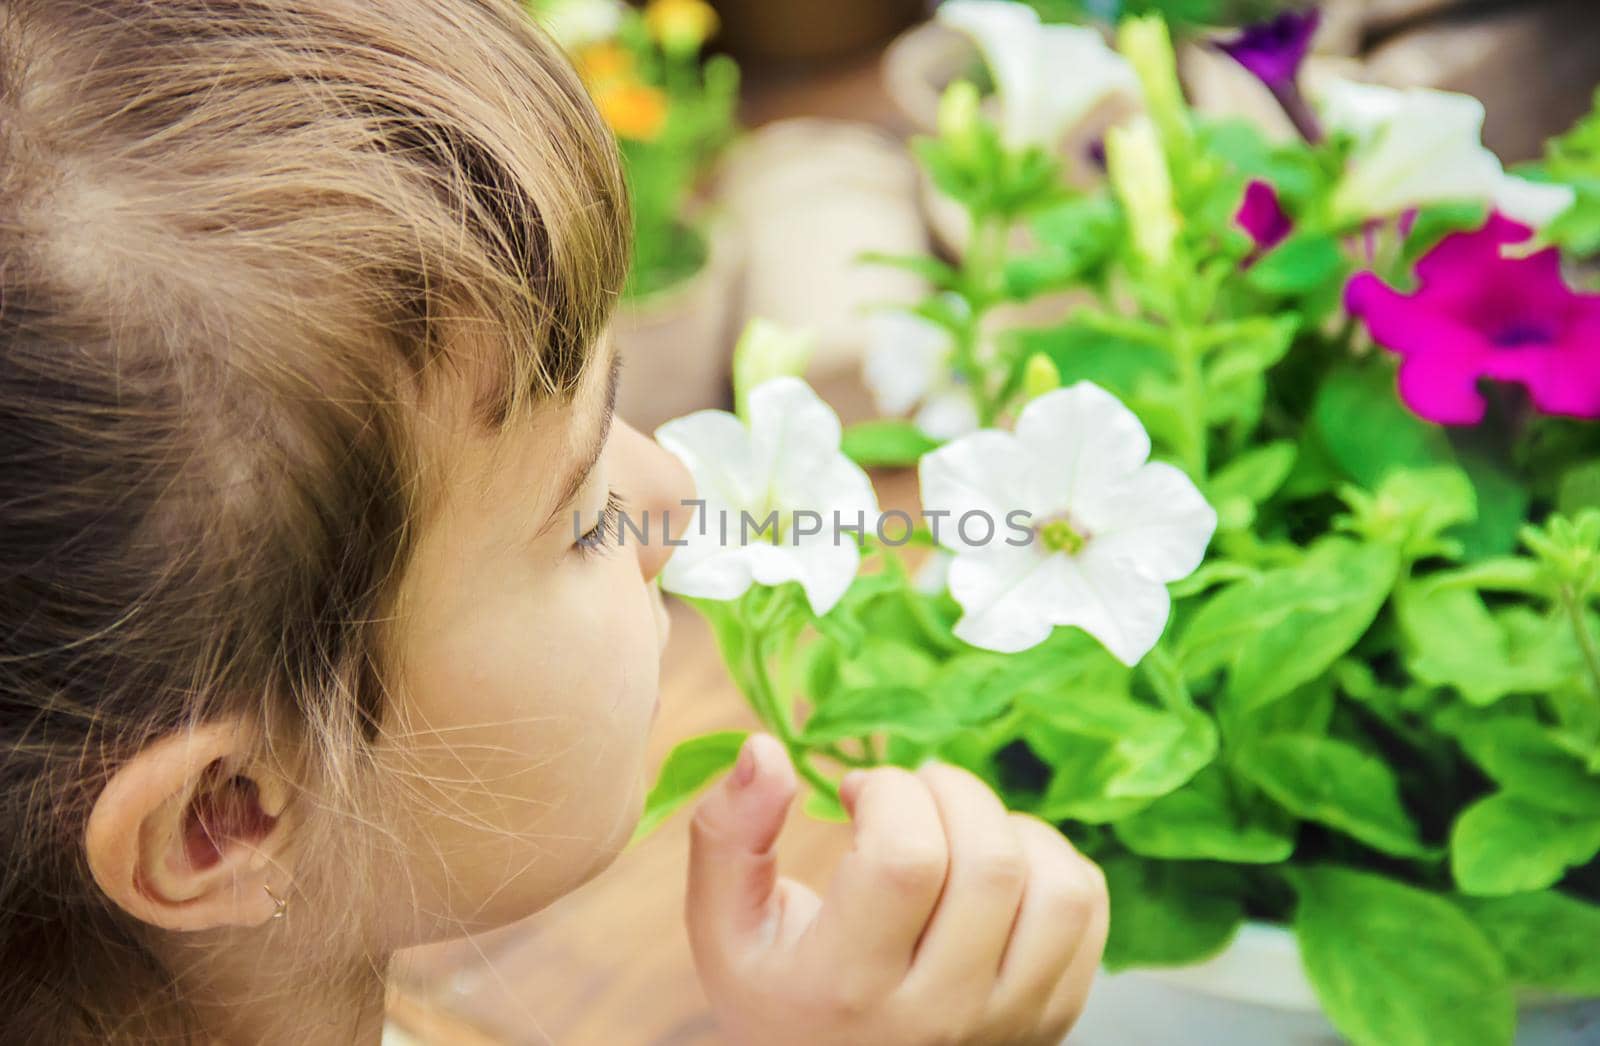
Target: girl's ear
x: 190, y: 835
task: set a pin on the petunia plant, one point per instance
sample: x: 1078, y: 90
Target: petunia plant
x: 1269, y: 571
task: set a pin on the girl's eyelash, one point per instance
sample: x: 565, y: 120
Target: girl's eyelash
x: 593, y: 541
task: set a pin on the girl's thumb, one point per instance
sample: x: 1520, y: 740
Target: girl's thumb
x: 733, y: 870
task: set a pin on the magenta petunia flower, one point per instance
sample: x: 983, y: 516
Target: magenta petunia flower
x: 1478, y: 314
x: 1273, y: 52
x: 1263, y: 217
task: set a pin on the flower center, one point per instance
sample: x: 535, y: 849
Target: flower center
x: 1521, y: 334
x: 1059, y: 535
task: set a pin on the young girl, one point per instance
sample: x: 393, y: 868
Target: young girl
x: 301, y: 307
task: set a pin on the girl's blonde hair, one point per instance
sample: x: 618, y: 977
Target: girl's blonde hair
x: 237, y: 238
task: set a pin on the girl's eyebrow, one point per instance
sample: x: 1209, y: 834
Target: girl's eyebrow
x: 580, y: 475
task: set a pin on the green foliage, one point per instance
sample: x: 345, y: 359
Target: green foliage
x: 1574, y: 159
x: 689, y: 768
x: 886, y: 443
x: 1168, y: 914
x: 1398, y: 966
x: 1375, y: 717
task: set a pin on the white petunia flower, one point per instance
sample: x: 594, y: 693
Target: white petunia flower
x: 1105, y: 529
x: 908, y: 367
x: 1419, y: 146
x: 578, y: 23
x: 1049, y: 77
x: 786, y: 469
x: 1534, y: 204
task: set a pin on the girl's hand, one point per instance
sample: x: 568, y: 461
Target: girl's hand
x: 950, y: 920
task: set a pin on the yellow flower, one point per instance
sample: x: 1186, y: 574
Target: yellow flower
x: 680, y: 26
x: 605, y: 63
x: 633, y: 110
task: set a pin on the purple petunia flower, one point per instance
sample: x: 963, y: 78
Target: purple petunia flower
x: 1273, y: 52
x: 1263, y: 217
x: 1478, y: 314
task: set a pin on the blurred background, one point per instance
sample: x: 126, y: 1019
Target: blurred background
x: 768, y: 143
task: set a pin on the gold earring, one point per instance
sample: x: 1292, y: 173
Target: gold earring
x: 280, y: 907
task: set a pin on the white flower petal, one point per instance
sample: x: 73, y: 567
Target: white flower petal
x: 707, y: 568
x: 792, y: 432
x: 1011, y: 601
x: 933, y: 576
x: 1358, y: 109
x: 825, y: 564
x: 1157, y: 522
x: 1126, y: 611
x: 1004, y: 598
x: 839, y: 486
x: 1414, y: 147
x: 982, y: 472
x: 1048, y: 77
x: 1085, y: 73
x: 907, y: 356
x: 1080, y: 442
x: 949, y: 415
x: 715, y: 447
x: 1535, y: 204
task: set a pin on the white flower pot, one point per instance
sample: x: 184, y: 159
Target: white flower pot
x: 1255, y: 993
x: 677, y: 343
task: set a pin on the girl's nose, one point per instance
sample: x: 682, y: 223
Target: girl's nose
x: 656, y: 486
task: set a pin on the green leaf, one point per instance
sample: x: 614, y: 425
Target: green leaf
x: 884, y: 443
x: 1302, y: 263
x: 940, y: 275
x: 1368, y: 431
x: 1248, y: 480
x: 1397, y: 966
x: 1206, y: 821
x: 1083, y: 768
x: 1285, y: 628
x: 1255, y: 475
x: 1166, y: 914
x: 1152, y: 752
x: 1453, y: 640
x: 1580, y: 489
x: 1437, y: 221
x: 1504, y: 845
x: 1084, y: 352
x: 1547, y: 939
x: 1333, y: 783
x: 821, y: 806
x: 1502, y: 508
x: 900, y: 711
x: 1526, y: 761
x: 1056, y: 674
x: 688, y: 768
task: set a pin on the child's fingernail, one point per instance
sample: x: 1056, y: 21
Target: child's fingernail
x: 744, y: 771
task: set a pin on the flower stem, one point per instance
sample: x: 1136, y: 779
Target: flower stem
x: 1580, y: 626
x: 764, y: 696
x: 1192, y: 385
x: 1299, y: 111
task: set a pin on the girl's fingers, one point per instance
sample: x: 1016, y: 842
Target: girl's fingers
x: 733, y: 870
x: 886, y: 886
x: 1063, y: 897
x: 1067, y: 1003
x: 960, y: 954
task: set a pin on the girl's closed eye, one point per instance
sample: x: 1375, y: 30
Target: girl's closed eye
x: 593, y: 541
